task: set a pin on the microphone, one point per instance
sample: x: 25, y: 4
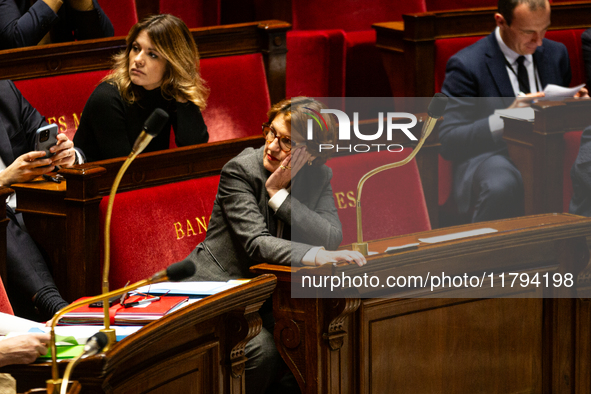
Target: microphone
x: 175, y: 272
x: 152, y: 127
x: 95, y: 344
x: 435, y: 111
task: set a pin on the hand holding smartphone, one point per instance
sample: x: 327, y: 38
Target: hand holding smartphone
x: 45, y: 138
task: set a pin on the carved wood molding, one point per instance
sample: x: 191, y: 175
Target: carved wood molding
x: 338, y: 310
x: 289, y: 333
x: 241, y: 328
x: 291, y: 345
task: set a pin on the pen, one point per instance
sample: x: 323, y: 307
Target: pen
x: 140, y: 302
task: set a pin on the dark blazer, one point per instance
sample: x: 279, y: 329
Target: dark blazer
x: 18, y: 123
x: 479, y: 71
x: 23, y: 25
x: 580, y: 203
x: 242, y: 230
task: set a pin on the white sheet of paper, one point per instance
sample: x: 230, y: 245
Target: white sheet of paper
x: 10, y: 323
x: 522, y: 113
x: 401, y: 247
x: 188, y: 288
x: 463, y: 234
x: 552, y: 90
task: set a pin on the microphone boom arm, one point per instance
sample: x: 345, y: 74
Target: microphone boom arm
x: 428, y: 126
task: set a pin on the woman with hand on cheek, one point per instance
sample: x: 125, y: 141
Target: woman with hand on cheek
x: 274, y: 205
x: 158, y: 69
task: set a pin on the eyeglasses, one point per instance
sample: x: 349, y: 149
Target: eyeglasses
x: 270, y: 134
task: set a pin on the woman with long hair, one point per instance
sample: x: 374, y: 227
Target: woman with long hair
x: 158, y: 69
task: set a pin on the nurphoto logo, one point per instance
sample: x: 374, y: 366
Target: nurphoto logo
x: 392, y: 124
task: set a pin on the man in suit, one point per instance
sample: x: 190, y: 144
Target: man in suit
x: 274, y: 205
x: 30, y: 286
x: 514, y: 60
x: 25, y: 22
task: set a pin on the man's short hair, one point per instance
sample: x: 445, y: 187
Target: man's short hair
x: 506, y: 7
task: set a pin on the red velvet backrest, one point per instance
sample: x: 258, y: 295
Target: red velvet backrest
x: 392, y: 201
x: 315, y: 63
x: 239, y: 98
x: 195, y: 13
x: 444, y: 5
x: 572, y: 142
x: 61, y: 98
x: 121, y: 13
x: 349, y: 15
x: 446, y: 48
x: 572, y: 40
x: 5, y: 306
x: 154, y: 227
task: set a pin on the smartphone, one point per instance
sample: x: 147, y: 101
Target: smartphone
x: 45, y: 138
x: 99, y: 304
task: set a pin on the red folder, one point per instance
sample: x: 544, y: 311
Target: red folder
x: 140, y: 314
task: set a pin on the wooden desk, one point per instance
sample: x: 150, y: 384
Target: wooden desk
x: 198, y: 349
x: 361, y: 344
x: 537, y: 149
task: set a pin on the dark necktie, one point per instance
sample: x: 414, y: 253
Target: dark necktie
x: 522, y: 76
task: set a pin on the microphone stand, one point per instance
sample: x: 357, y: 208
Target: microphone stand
x: 140, y: 144
x: 435, y: 107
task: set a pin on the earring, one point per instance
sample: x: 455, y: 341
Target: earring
x: 309, y: 162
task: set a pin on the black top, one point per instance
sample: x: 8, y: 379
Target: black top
x: 109, y: 126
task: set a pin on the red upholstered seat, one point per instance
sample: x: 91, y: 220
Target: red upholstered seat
x: 392, y: 201
x: 365, y: 74
x: 315, y: 63
x: 349, y: 15
x: 154, y: 227
x: 195, y: 13
x: 239, y: 98
x: 446, y: 48
x: 61, y: 98
x: 572, y: 40
x: 121, y: 13
x: 5, y: 306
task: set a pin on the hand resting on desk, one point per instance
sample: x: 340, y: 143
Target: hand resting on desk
x: 329, y: 257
